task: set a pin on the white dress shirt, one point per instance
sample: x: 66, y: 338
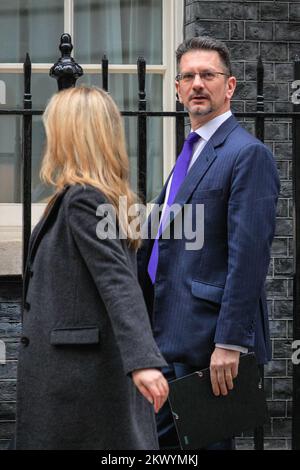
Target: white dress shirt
x: 206, y: 132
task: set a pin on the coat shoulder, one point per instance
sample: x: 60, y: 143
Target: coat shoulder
x: 241, y: 138
x: 79, y: 192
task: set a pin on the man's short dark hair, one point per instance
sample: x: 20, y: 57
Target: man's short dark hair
x: 205, y: 43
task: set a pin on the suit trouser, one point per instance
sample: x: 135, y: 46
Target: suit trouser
x: 167, y: 434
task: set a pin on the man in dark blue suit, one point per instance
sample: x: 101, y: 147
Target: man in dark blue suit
x: 208, y: 305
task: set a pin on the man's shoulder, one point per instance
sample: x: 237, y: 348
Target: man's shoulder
x: 244, y: 136
x: 240, y: 138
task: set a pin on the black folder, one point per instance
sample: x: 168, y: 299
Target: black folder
x: 201, y: 418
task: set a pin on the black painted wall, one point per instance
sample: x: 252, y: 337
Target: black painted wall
x: 270, y: 29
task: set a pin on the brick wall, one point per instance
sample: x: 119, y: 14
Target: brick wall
x: 10, y: 326
x: 271, y: 29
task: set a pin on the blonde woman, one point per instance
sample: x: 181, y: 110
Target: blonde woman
x: 89, y: 370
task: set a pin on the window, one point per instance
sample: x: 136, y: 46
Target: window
x: 123, y: 30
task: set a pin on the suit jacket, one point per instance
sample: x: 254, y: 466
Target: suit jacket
x: 85, y: 328
x: 216, y: 294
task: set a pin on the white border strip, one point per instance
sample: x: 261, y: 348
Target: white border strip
x: 173, y: 12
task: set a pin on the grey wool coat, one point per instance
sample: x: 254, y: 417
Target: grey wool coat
x: 85, y: 329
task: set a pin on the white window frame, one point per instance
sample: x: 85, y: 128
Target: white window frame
x: 173, y: 14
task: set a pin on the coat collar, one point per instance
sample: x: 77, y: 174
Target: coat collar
x: 198, y: 170
x: 41, y: 230
x: 223, y: 131
x: 44, y: 223
x: 202, y: 164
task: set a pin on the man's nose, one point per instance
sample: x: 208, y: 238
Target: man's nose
x: 198, y: 82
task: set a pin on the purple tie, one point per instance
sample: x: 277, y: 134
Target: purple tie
x: 180, y: 171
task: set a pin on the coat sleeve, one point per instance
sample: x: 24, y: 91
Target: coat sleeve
x: 115, y: 280
x: 250, y: 228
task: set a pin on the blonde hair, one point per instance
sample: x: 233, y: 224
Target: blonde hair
x: 86, y: 145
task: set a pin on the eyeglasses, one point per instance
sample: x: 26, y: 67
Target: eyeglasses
x: 207, y: 76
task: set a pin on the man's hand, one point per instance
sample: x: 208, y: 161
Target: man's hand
x: 152, y: 385
x: 224, y: 364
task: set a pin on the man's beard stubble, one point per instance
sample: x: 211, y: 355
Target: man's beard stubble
x: 204, y: 112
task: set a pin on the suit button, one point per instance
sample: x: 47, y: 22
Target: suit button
x: 24, y: 341
x: 27, y: 306
x: 31, y: 273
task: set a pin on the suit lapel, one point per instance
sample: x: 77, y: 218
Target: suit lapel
x: 201, y: 166
x: 196, y: 173
x: 194, y: 176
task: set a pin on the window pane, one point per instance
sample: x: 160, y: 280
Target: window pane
x: 11, y: 94
x: 32, y: 26
x: 11, y: 159
x: 121, y: 29
x: 39, y: 191
x: 124, y: 90
x: 12, y: 89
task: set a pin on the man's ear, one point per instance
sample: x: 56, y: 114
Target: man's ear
x: 231, y: 87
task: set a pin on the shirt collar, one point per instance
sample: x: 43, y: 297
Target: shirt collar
x: 207, y: 130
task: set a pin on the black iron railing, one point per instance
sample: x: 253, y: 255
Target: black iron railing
x: 66, y: 71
